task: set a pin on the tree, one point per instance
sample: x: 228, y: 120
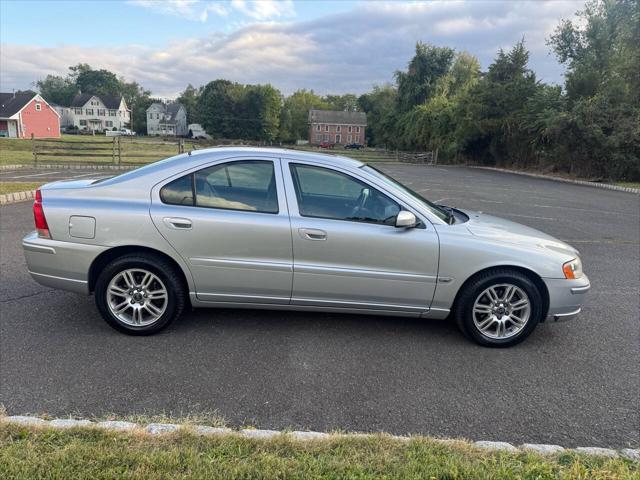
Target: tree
x: 379, y: 105
x: 57, y: 90
x: 346, y: 103
x: 189, y: 98
x: 98, y: 82
x: 417, y: 84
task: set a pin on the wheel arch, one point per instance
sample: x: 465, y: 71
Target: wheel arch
x: 533, y: 276
x: 107, y: 256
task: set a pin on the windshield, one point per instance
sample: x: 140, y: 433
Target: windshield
x: 439, y: 212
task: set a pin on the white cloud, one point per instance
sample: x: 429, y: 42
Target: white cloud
x: 199, y: 10
x: 334, y: 53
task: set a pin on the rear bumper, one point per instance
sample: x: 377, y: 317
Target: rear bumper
x: 566, y: 297
x: 62, y: 265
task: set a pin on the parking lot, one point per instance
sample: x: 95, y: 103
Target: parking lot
x: 574, y: 383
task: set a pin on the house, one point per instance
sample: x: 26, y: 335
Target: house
x: 336, y: 127
x: 93, y: 112
x: 167, y: 119
x: 26, y: 114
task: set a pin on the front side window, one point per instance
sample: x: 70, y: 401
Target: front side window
x: 246, y: 185
x: 89, y: 111
x: 326, y: 128
x: 38, y: 107
x: 317, y: 128
x: 326, y: 193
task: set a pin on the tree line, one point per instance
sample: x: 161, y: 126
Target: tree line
x: 443, y: 101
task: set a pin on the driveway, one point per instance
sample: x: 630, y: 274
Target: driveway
x: 574, y: 383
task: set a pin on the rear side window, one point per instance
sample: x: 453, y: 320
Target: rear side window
x: 245, y: 185
x: 178, y: 192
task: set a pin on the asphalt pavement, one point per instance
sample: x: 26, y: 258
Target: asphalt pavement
x: 574, y: 383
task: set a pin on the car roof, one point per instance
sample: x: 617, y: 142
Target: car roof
x: 324, y: 158
x: 193, y: 159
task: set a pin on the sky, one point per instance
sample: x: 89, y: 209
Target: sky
x: 328, y: 46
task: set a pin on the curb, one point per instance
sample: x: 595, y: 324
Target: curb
x: 606, y: 186
x: 16, y: 197
x: 303, y: 436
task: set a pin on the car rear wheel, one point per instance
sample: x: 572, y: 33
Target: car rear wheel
x: 499, y: 308
x: 140, y: 294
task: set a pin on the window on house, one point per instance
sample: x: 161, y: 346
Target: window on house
x: 325, y: 137
x: 100, y: 112
x: 326, y: 128
x: 88, y: 111
x: 357, y: 129
x: 338, y: 128
x: 157, y: 116
x: 318, y: 138
x: 350, y: 129
x: 317, y: 128
x: 83, y: 123
x: 38, y: 107
x: 357, y: 138
x: 112, y: 113
x: 349, y: 139
x: 77, y: 111
x: 151, y: 116
x: 108, y: 123
x: 338, y: 138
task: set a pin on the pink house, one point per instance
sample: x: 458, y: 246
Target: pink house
x: 26, y: 114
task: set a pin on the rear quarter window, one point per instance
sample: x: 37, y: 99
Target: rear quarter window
x: 178, y: 192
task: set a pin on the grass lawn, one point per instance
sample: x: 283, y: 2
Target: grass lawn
x: 32, y: 452
x: 10, y: 187
x: 133, y: 149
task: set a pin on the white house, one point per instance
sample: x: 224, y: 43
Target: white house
x: 92, y: 112
x: 167, y: 119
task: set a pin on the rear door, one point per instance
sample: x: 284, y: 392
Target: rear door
x: 230, y: 223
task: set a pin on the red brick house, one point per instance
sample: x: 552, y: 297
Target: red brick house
x: 339, y: 128
x: 24, y: 114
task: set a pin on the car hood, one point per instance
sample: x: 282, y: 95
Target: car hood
x: 505, y: 231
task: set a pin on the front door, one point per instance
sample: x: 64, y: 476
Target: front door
x: 229, y: 221
x: 347, y: 252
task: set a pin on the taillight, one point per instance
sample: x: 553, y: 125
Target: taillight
x: 38, y: 216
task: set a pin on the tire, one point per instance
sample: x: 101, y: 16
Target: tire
x: 151, y: 307
x: 495, y: 322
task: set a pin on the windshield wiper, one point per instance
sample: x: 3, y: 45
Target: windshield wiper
x: 451, y: 219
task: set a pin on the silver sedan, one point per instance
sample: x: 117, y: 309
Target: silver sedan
x: 280, y: 229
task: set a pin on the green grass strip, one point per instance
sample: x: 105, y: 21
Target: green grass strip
x: 32, y: 452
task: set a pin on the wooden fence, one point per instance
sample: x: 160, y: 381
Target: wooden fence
x: 113, y: 150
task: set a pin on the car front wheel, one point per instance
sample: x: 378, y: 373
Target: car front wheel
x: 139, y: 294
x: 499, y: 308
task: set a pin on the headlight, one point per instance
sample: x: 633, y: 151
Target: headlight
x: 572, y: 269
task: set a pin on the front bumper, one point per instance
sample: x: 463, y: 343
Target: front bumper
x: 56, y: 264
x: 566, y: 297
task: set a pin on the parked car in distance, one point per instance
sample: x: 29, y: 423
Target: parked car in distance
x: 282, y: 229
x: 326, y: 145
x: 353, y: 146
x: 197, y: 132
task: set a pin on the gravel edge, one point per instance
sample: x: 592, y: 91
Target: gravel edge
x: 606, y: 186
x: 166, y: 428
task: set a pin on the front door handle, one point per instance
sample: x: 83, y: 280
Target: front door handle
x: 312, y: 234
x: 178, y: 223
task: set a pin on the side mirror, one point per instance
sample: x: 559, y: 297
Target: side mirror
x: 406, y: 220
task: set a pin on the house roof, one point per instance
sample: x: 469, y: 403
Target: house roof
x: 339, y: 117
x: 10, y: 103
x: 112, y: 102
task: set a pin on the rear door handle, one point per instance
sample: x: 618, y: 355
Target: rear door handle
x: 178, y: 223
x: 312, y: 234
